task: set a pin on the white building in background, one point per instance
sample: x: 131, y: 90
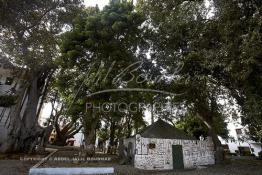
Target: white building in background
x: 79, y: 139
x: 240, y: 142
x: 6, y: 84
x: 9, y: 84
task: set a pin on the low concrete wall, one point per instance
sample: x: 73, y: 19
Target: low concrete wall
x: 71, y: 171
x: 35, y: 170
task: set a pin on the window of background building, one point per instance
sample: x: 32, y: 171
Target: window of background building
x: 151, y: 145
x: 9, y: 81
x: 239, y: 131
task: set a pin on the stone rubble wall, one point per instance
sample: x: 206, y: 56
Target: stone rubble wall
x: 195, y: 152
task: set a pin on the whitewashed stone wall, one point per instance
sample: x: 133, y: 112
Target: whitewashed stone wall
x: 195, y: 152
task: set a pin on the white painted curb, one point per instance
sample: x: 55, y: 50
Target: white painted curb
x: 71, y: 171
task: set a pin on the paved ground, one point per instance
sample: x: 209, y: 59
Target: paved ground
x: 15, y: 167
x: 230, y: 167
x: 18, y: 164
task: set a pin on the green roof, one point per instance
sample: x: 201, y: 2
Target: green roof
x: 161, y: 129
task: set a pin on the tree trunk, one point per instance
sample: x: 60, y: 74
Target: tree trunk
x: 65, y: 133
x: 46, y: 134
x: 129, y: 127
x: 208, y: 120
x: 44, y: 92
x: 90, y: 123
x: 152, y: 112
x: 29, y: 131
x: 111, y: 137
x: 24, y: 129
x: 60, y: 140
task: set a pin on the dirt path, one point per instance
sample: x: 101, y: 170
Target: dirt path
x: 15, y: 167
x: 230, y: 167
x: 18, y: 164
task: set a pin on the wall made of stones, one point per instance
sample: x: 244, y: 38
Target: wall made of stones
x: 195, y: 152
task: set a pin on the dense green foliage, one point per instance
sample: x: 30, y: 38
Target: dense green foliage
x: 100, y: 46
x: 210, y: 56
x: 195, y: 127
x: 221, y: 53
x: 29, y: 32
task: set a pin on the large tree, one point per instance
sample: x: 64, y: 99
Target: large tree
x: 95, y: 54
x: 237, y: 28
x: 176, y: 27
x: 29, y: 33
x: 220, y: 50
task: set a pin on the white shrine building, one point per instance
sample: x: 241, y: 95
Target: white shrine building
x: 161, y: 146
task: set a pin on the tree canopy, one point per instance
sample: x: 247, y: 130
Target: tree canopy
x: 210, y: 55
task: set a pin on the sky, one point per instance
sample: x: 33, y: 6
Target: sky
x: 100, y: 3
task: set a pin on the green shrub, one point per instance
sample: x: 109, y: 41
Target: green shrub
x: 245, y: 153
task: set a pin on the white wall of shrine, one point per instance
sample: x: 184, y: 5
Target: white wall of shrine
x: 195, y: 152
